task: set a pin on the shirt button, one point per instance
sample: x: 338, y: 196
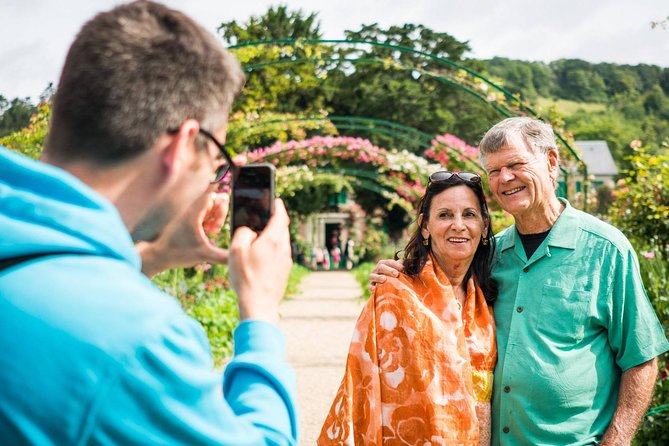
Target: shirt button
x: 526, y: 269
x: 519, y: 309
x: 505, y: 430
x: 507, y: 389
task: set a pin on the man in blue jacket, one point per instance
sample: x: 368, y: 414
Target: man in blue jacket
x: 92, y: 351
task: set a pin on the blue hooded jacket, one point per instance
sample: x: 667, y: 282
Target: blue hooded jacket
x: 91, y: 352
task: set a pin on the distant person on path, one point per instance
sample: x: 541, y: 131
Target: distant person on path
x: 333, y: 248
x: 349, y: 254
x: 419, y: 368
x: 92, y: 351
x: 336, y: 257
x: 326, y: 258
x: 319, y: 257
x: 577, y: 336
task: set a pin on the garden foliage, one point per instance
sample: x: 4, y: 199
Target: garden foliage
x: 641, y: 210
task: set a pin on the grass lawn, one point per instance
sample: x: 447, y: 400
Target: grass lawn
x: 567, y: 107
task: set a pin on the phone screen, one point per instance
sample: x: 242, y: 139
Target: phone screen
x: 253, y: 196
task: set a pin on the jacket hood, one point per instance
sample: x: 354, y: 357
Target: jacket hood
x: 45, y: 209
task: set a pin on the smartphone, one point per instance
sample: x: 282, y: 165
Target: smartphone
x: 253, y: 196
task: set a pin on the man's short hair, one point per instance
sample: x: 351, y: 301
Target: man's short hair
x: 537, y: 135
x: 132, y: 74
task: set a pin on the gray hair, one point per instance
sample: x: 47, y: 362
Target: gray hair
x: 537, y: 135
x: 132, y: 74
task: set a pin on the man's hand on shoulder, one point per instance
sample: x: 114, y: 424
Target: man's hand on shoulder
x: 384, y: 268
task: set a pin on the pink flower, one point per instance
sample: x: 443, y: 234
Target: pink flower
x: 203, y: 267
x: 649, y: 255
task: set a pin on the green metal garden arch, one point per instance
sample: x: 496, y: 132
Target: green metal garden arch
x: 513, y: 107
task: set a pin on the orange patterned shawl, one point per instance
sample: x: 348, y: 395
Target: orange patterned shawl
x: 419, y: 371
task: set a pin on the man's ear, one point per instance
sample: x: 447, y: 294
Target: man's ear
x: 553, y: 158
x: 423, y: 230
x: 177, y: 149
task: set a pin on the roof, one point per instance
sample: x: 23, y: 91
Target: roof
x: 597, y: 157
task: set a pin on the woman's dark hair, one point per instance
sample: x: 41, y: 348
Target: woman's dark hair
x: 416, y: 254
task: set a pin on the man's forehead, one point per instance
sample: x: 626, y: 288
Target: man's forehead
x: 508, y: 152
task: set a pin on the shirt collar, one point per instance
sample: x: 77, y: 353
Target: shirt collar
x: 563, y: 233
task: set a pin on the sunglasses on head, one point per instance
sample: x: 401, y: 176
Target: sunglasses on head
x: 445, y: 175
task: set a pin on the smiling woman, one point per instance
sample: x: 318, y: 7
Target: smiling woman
x: 453, y: 227
x: 423, y: 350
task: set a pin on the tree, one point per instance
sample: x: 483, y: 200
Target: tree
x: 416, y: 37
x: 15, y: 115
x: 664, y: 80
x: 30, y: 139
x: 401, y: 87
x: 276, y: 23
x: 515, y: 76
x: 582, y: 85
x: 641, y: 208
x: 656, y: 103
x: 47, y: 93
x: 291, y: 82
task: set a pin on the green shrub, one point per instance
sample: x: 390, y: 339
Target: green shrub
x: 655, y: 273
x: 641, y: 206
x: 375, y: 243
x: 641, y: 211
x: 295, y: 279
x: 361, y: 273
x: 30, y: 140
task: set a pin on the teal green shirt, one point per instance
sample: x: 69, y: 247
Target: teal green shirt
x: 569, y: 320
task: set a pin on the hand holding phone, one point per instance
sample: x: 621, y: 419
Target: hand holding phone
x: 252, y: 196
x: 260, y: 279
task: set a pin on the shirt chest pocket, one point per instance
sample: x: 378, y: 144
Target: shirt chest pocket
x: 562, y: 313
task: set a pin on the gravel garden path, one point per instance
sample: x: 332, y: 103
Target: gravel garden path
x: 318, y: 324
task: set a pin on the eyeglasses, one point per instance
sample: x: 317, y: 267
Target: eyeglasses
x: 445, y: 175
x: 223, y: 168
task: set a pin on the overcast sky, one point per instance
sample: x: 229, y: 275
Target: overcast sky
x: 35, y: 34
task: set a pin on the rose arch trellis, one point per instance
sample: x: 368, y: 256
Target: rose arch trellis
x: 397, y: 175
x: 449, y: 72
x: 348, y: 162
x: 431, y: 145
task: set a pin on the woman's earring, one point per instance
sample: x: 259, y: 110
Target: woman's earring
x: 484, y: 241
x: 426, y: 241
